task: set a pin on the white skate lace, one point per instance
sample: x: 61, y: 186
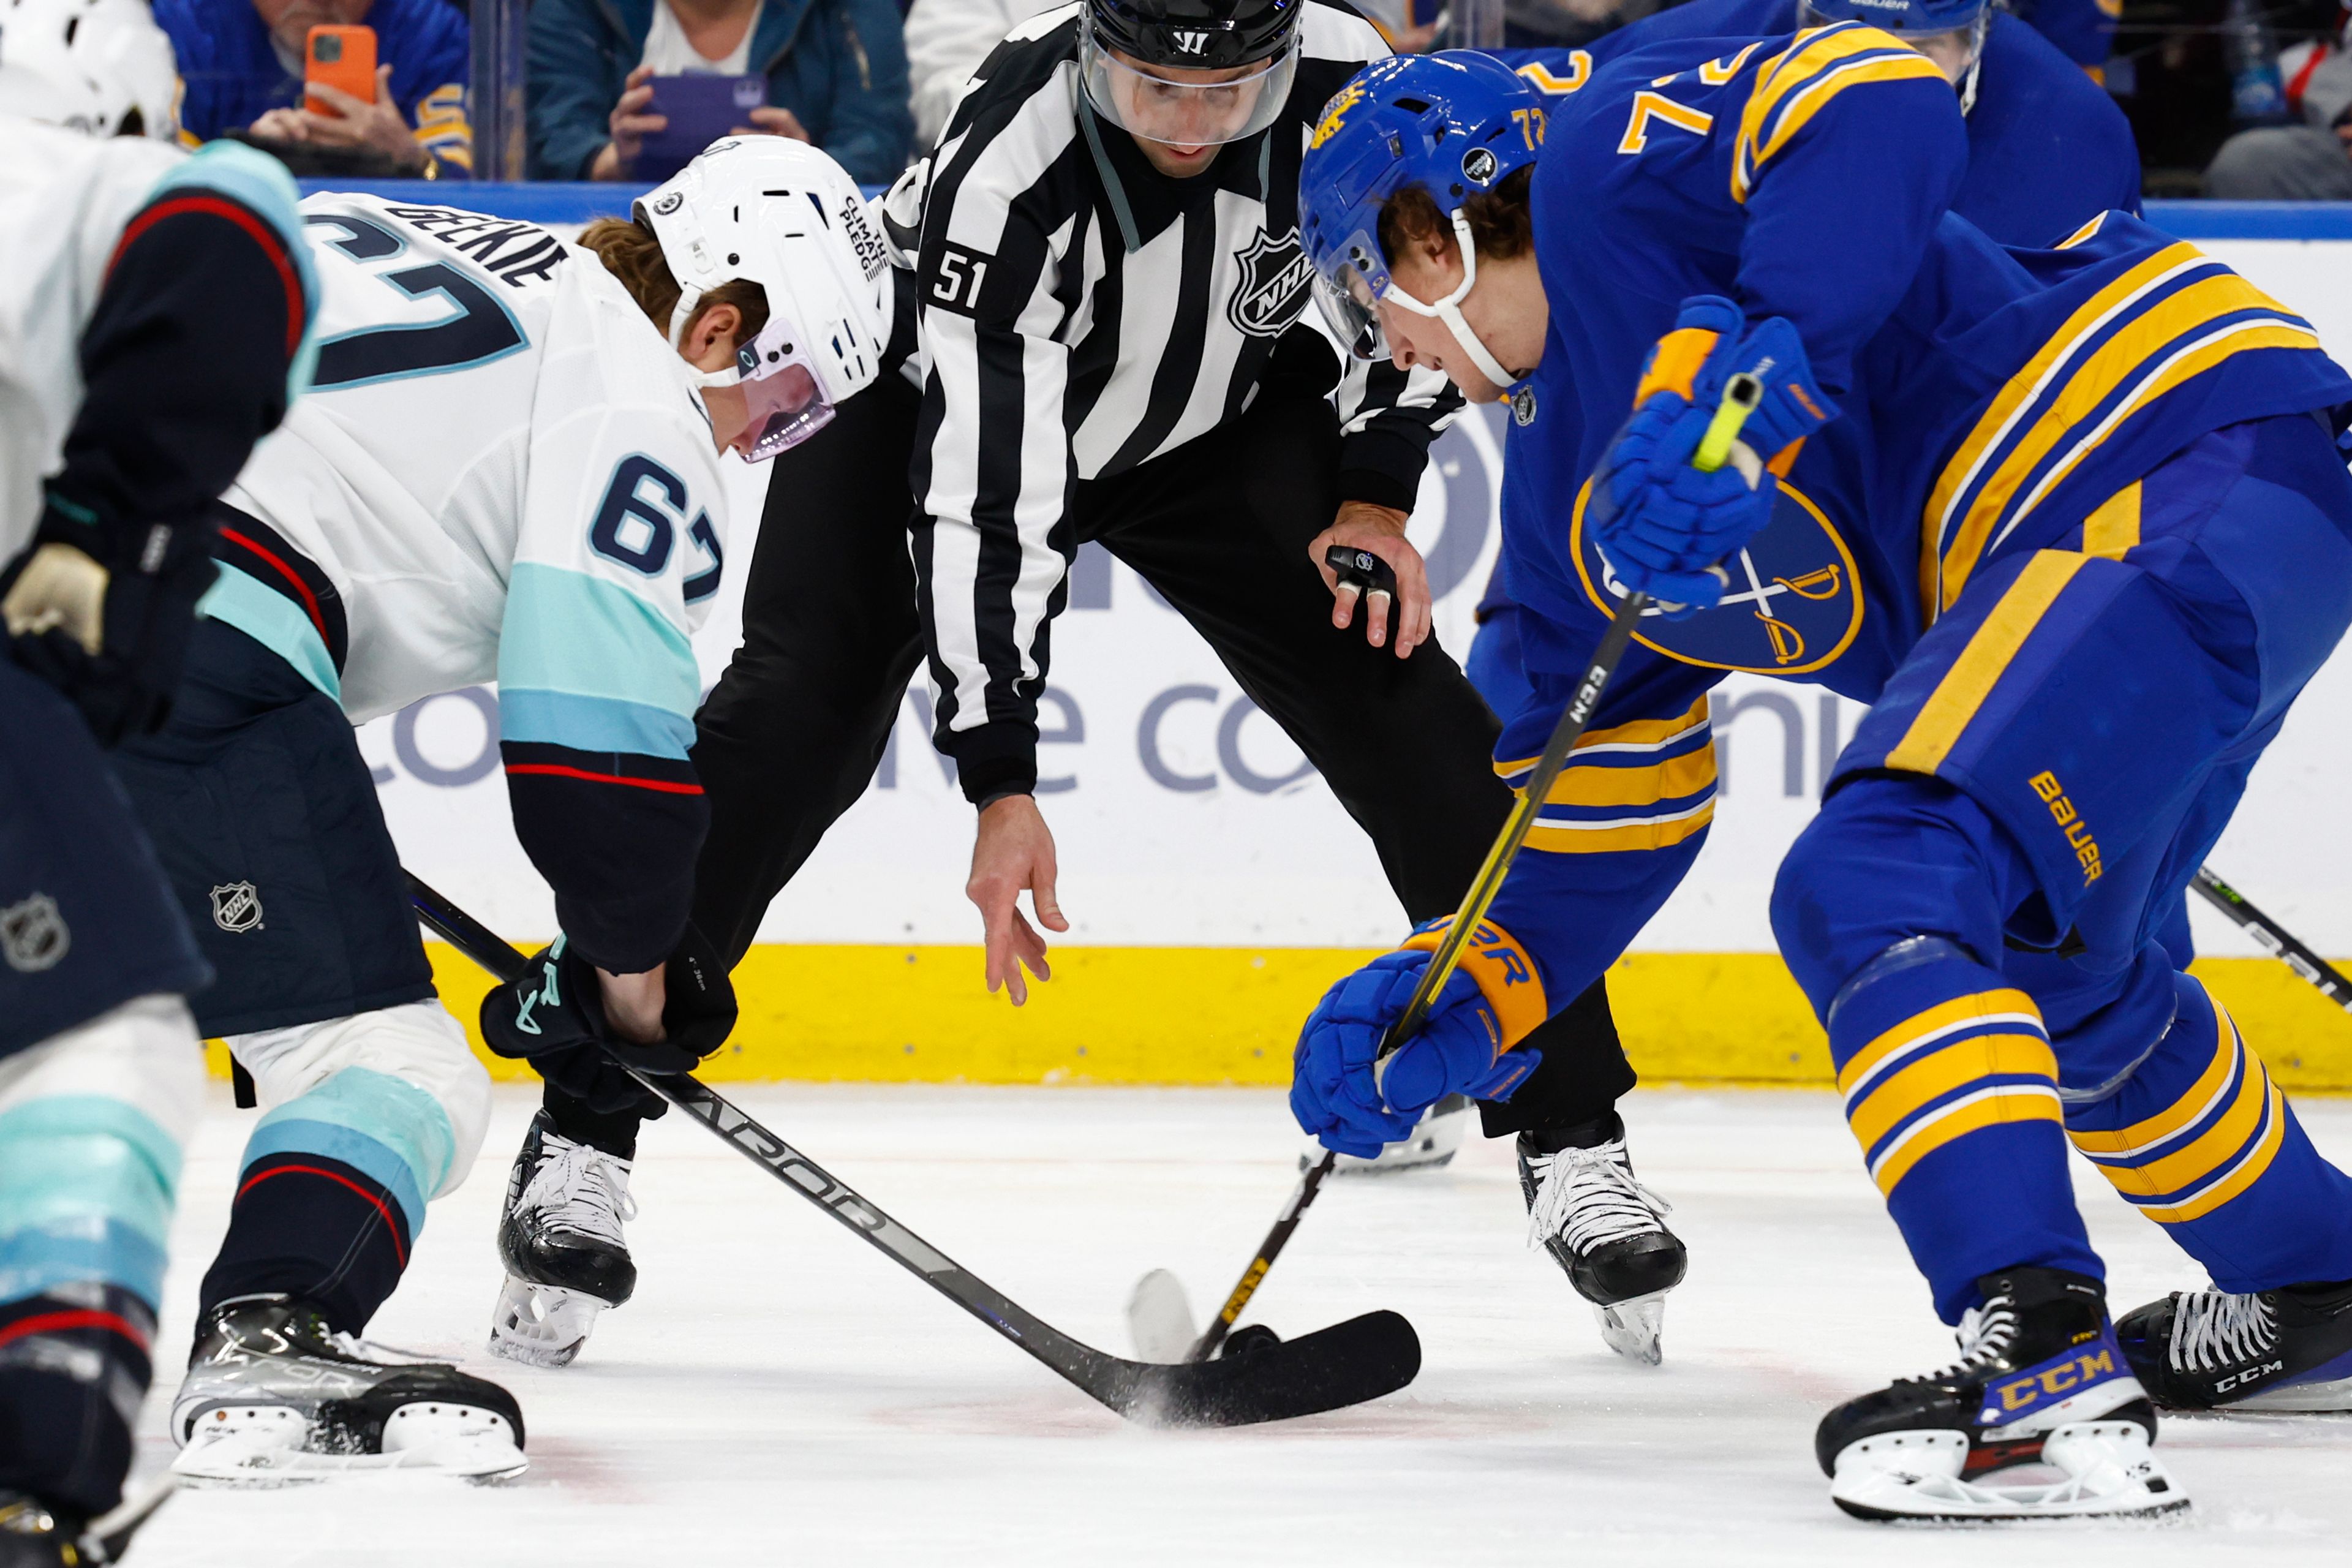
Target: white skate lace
x: 2211, y: 1330
x: 1984, y: 1333
x: 1589, y: 1196
x: 580, y: 1188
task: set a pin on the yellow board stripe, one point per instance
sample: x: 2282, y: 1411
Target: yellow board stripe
x: 2249, y: 1170
x: 1993, y: 1107
x: 1936, y: 727
x: 1909, y: 1088
x: 2112, y: 530
x: 2195, y: 1102
x: 1922, y: 1028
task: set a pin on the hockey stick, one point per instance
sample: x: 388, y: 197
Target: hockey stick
x: 1344, y: 1364
x: 2274, y: 939
x: 1740, y: 400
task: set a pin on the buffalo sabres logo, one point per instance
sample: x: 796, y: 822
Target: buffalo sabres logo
x: 1793, y: 606
x: 236, y: 907
x: 1276, y: 276
x: 32, y: 934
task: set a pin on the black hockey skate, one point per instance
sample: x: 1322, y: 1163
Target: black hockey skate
x: 2289, y: 1349
x: 2041, y: 1380
x: 561, y: 1244
x: 1603, y: 1227
x: 273, y: 1393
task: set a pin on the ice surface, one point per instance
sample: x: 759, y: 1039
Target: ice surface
x: 780, y: 1394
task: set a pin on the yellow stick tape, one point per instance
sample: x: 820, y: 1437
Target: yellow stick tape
x: 1230, y: 1016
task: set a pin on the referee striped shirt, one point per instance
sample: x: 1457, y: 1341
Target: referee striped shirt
x: 1078, y: 314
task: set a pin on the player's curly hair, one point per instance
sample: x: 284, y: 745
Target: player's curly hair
x: 632, y: 254
x: 1501, y: 225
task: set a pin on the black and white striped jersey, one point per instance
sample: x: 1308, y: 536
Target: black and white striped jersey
x: 1080, y: 313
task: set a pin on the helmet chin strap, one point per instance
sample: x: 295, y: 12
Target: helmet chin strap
x: 1449, y: 310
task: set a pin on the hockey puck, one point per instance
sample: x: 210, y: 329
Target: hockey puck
x: 1247, y: 1340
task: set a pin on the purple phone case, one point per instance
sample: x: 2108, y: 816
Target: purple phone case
x: 700, y: 109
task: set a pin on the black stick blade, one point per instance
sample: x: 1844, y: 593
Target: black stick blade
x: 1331, y: 1369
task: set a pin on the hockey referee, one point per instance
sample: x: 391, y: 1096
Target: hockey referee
x: 1103, y: 324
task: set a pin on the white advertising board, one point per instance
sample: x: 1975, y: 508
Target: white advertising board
x: 1185, y: 817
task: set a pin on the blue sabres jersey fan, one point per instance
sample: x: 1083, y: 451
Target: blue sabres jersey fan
x: 2047, y: 147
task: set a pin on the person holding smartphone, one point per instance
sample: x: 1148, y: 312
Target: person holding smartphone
x: 833, y: 75
x: 243, y: 62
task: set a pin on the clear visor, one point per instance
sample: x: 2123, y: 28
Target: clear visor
x: 773, y: 397
x: 1186, y: 108
x: 1956, y: 49
x: 1351, y: 307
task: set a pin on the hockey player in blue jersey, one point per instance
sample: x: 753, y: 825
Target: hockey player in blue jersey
x: 2073, y: 521
x: 2047, y: 152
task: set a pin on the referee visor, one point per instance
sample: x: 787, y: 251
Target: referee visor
x: 1183, y: 107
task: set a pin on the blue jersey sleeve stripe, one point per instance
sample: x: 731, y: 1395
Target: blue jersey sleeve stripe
x: 573, y: 633
x: 599, y: 724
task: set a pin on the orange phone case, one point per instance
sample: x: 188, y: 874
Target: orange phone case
x: 341, y: 57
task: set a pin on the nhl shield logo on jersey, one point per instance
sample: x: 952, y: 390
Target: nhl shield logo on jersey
x: 1276, y: 276
x: 236, y: 907
x: 32, y: 934
x: 1794, y: 603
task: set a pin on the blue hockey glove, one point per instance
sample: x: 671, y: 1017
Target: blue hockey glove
x: 1661, y: 522
x: 1336, y: 1092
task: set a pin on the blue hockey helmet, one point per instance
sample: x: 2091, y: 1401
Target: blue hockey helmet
x: 1456, y: 123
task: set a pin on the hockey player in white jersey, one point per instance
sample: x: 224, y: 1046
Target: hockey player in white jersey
x: 153, y: 307
x: 503, y: 473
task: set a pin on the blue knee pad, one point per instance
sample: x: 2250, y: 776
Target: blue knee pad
x: 1888, y: 857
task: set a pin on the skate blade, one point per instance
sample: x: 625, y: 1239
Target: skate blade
x: 542, y: 1325
x: 1160, y: 1319
x: 266, y: 1446
x: 1635, y: 1327
x: 2106, y: 1471
x: 2333, y: 1397
x: 1432, y: 1147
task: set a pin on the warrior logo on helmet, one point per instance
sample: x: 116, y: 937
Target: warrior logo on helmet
x: 1276, y: 277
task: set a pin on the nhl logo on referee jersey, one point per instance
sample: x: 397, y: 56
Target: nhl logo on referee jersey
x: 1276, y: 276
x: 32, y: 934
x: 236, y: 907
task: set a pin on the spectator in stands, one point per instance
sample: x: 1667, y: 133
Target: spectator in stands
x: 242, y: 62
x: 946, y: 41
x: 2311, y: 161
x: 836, y: 74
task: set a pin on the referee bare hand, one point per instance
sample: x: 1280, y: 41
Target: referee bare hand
x: 1014, y: 851
x: 1363, y: 526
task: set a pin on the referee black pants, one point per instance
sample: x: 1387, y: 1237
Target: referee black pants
x: 792, y: 734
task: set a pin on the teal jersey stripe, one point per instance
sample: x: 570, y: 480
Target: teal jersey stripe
x: 395, y: 1131
x: 579, y: 635
x: 43, y: 1258
x: 275, y: 622
x: 592, y: 723
x: 261, y: 183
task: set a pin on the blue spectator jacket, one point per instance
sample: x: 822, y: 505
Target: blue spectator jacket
x: 234, y: 76
x: 840, y: 65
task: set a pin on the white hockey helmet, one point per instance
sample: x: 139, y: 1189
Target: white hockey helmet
x: 782, y: 214
x: 100, y: 67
